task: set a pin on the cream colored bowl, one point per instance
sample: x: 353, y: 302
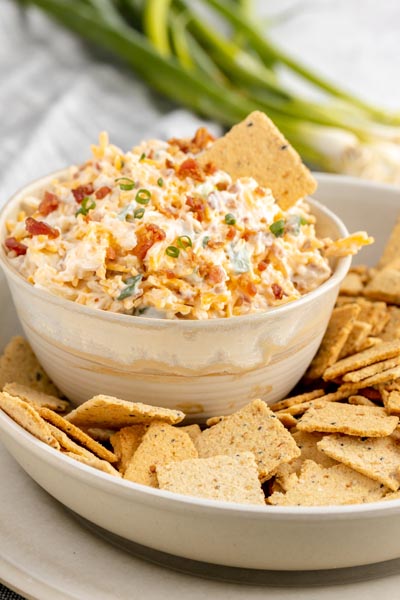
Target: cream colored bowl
x: 204, y: 368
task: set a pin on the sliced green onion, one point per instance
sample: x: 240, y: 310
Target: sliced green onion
x: 205, y: 241
x: 172, y: 251
x: 142, y: 157
x: 87, y: 204
x: 184, y: 242
x: 303, y: 221
x: 230, y: 219
x: 160, y: 182
x: 138, y: 213
x: 125, y: 183
x: 143, y: 196
x: 130, y: 288
x: 278, y: 228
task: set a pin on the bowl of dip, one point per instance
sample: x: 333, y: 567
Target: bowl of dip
x: 142, y: 276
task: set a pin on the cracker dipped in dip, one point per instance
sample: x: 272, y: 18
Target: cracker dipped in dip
x: 177, y: 229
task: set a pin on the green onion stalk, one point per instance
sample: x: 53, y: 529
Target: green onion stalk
x: 222, y: 65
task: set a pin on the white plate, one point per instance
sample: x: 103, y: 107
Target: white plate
x: 222, y: 533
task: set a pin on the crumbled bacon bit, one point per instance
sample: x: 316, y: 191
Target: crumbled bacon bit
x: 262, y: 265
x: 215, y: 244
x: 209, y: 168
x: 110, y: 253
x: 201, y: 139
x: 197, y: 206
x: 40, y: 228
x: 222, y: 186
x: 12, y: 244
x: 146, y: 238
x: 102, y: 192
x: 82, y: 191
x: 247, y: 285
x: 231, y: 232
x: 170, y: 275
x: 49, y: 203
x: 169, y: 163
x: 212, y: 273
x: 190, y: 168
x: 277, y: 291
x: 259, y: 191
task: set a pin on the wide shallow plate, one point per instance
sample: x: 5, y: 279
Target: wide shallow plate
x: 281, y: 538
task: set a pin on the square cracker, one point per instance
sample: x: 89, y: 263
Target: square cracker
x: 318, y: 486
x: 385, y: 286
x: 359, y: 334
x: 391, y: 330
x: 193, y: 431
x: 27, y: 416
x: 363, y: 359
x: 36, y: 397
x: 254, y: 428
x: 307, y: 442
x: 370, y: 421
x: 367, y: 372
x: 77, y: 434
x: 68, y: 445
x: 391, y: 402
x: 374, y: 313
x: 299, y: 399
x: 339, y: 328
x: 352, y: 284
x: 18, y: 363
x: 227, y: 478
x: 96, y: 463
x: 161, y: 444
x: 125, y: 442
x: 376, y: 458
x: 114, y: 413
x: 256, y: 148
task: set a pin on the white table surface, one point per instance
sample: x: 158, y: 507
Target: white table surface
x: 55, y: 97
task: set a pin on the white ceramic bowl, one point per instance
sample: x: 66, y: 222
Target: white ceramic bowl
x: 282, y: 538
x: 204, y: 368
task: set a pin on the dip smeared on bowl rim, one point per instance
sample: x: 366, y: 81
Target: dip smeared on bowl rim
x: 160, y: 232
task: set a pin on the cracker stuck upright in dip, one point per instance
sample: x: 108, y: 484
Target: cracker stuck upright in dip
x: 192, y: 229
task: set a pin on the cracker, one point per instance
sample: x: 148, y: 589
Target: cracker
x: 19, y: 364
x: 307, y: 442
x: 299, y: 399
x: 363, y: 359
x: 27, y: 416
x: 254, y: 428
x: 376, y: 458
x: 36, y: 397
x: 113, y: 413
x: 392, y: 402
x: 298, y: 409
x: 369, y: 342
x: 99, y: 434
x: 68, y: 445
x: 383, y: 377
x: 371, y: 370
x: 227, y: 478
x: 256, y: 148
x: 317, y: 486
x: 391, y: 251
x: 359, y: 400
x: 125, y: 442
x: 77, y: 434
x: 214, y: 420
x: 352, y: 284
x: 357, y: 337
x: 370, y: 421
x: 161, y: 444
x: 374, y: 313
x: 287, y: 420
x: 339, y: 328
x: 193, y: 431
x: 391, y: 330
x: 385, y: 285
x: 96, y: 463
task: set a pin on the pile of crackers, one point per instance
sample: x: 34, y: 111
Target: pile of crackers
x: 336, y: 441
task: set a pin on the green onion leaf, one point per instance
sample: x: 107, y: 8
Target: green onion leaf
x: 125, y: 183
x: 130, y: 288
x: 143, y: 196
x: 142, y: 157
x: 184, y: 242
x: 278, y: 228
x: 160, y: 182
x: 87, y: 204
x: 303, y: 221
x: 205, y: 241
x: 230, y: 219
x: 172, y: 251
